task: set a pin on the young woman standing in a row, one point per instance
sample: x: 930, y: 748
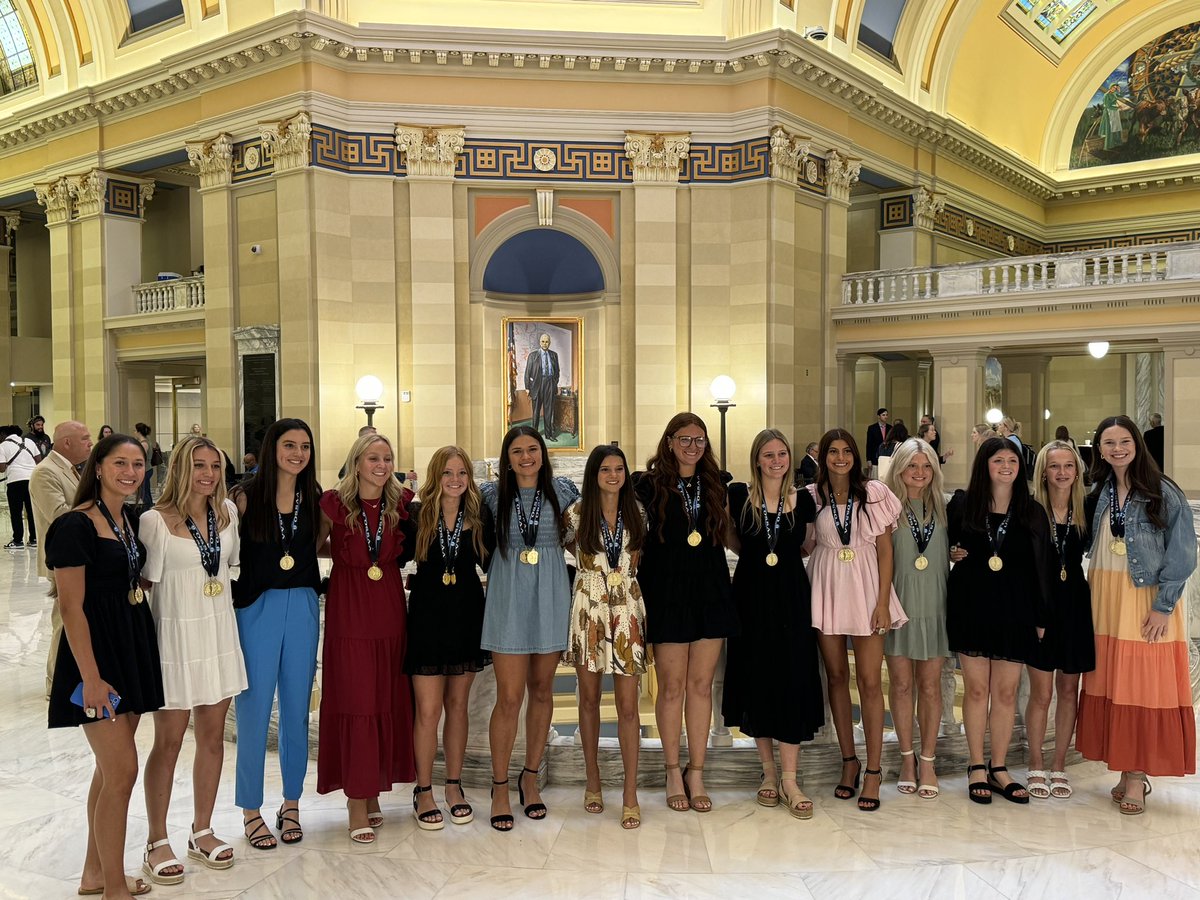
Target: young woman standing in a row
x: 689, y: 608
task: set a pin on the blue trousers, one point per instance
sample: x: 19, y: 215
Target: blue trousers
x: 279, y: 642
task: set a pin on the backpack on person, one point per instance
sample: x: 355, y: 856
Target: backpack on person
x: 1029, y: 458
x: 156, y: 457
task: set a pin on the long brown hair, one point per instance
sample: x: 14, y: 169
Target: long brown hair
x: 858, y: 481
x: 1144, y: 475
x: 431, y: 503
x: 177, y: 492
x: 347, y: 488
x: 88, y: 491
x: 507, y: 492
x: 663, y: 471
x: 587, y: 534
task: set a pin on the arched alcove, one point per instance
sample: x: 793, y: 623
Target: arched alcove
x: 543, y: 262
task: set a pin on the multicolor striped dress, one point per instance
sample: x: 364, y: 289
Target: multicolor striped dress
x: 1135, y: 712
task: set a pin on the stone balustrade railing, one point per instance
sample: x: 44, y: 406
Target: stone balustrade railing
x: 1026, y: 274
x: 167, y: 296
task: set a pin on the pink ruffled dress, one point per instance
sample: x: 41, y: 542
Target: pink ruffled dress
x: 845, y: 593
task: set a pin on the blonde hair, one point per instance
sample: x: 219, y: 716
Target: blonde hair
x: 177, y: 492
x: 761, y: 440
x: 1041, y: 491
x: 932, y: 496
x: 1012, y: 425
x: 431, y: 503
x: 347, y: 488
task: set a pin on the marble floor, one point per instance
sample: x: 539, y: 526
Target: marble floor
x: 946, y: 847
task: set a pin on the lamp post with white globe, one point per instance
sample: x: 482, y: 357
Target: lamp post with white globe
x: 369, y: 390
x: 722, y: 389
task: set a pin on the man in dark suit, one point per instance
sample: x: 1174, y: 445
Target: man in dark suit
x: 876, y: 435
x: 1154, y: 440
x: 541, y: 381
x: 807, y: 473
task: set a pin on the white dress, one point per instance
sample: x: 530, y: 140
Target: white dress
x: 198, y: 642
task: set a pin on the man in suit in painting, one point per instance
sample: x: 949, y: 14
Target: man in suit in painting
x: 541, y: 381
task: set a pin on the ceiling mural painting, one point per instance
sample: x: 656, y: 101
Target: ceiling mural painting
x: 1147, y: 108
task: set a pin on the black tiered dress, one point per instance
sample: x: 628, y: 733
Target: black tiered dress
x: 772, y: 679
x: 124, y: 642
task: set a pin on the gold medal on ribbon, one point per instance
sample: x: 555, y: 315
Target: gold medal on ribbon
x: 453, y: 578
x: 531, y: 557
x: 1062, y: 574
x: 375, y: 573
x: 524, y: 557
x: 213, y: 588
x: 446, y: 578
x: 694, y: 538
x: 772, y: 559
x: 921, y: 563
x: 614, y: 578
x: 846, y: 555
x: 995, y: 563
x: 136, y: 596
x: 1117, y: 546
x: 286, y: 562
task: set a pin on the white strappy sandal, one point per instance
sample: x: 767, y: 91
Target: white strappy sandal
x: 209, y: 858
x: 906, y: 787
x: 927, y: 791
x: 154, y: 873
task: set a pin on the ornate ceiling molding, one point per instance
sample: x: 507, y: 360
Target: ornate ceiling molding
x: 789, y: 152
x: 213, y: 159
x: 289, y: 141
x: 304, y: 36
x: 431, y: 150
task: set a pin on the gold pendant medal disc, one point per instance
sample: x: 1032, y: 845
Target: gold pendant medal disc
x: 694, y: 539
x: 375, y: 573
x: 286, y: 562
x: 846, y: 555
x: 1062, y: 574
x: 136, y: 596
x: 446, y: 578
x: 1117, y: 546
x: 531, y: 557
x: 772, y: 559
x: 995, y: 563
x: 921, y: 563
x: 614, y: 578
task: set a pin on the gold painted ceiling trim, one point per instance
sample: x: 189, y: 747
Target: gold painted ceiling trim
x: 47, y: 38
x: 935, y: 45
x: 845, y: 12
x: 83, y: 38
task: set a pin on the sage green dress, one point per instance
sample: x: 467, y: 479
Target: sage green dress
x: 922, y: 592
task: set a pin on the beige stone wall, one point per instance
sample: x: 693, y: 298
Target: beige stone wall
x: 33, y: 281
x: 166, y: 238
x: 257, y: 273
x: 1081, y: 391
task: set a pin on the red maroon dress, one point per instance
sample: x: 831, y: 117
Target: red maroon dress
x: 366, y: 729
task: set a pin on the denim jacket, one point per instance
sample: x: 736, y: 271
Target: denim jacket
x: 1157, y: 557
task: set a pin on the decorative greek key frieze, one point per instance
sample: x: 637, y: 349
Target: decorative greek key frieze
x: 657, y: 156
x: 289, y: 140
x: 788, y: 153
x: 927, y: 206
x: 214, y: 159
x: 431, y: 150
x: 840, y: 173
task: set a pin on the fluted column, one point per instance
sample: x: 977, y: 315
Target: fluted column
x: 55, y: 197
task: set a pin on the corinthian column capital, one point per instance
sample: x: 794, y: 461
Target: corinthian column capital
x: 214, y: 160
x: 657, y: 156
x: 431, y: 150
x: 290, y: 141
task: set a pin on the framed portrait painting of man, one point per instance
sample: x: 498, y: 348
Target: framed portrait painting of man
x: 543, y: 378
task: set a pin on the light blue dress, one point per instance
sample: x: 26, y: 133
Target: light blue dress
x: 528, y: 607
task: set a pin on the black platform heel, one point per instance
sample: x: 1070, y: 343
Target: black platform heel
x: 533, y: 810
x: 847, y: 791
x: 505, y: 822
x: 460, y: 813
x: 427, y: 821
x: 978, y: 791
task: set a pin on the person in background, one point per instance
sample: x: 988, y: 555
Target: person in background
x: 1155, y: 440
x: 1010, y: 428
x: 250, y: 464
x: 143, y: 435
x: 928, y: 432
x: 18, y: 456
x: 52, y: 491
x: 980, y: 433
x: 1062, y: 434
x: 37, y: 434
x: 877, y: 434
x: 807, y: 473
x: 105, y: 431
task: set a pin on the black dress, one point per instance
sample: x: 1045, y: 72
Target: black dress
x: 124, y: 642
x: 445, y: 621
x: 260, y: 571
x: 772, y: 678
x: 686, y: 588
x: 1070, y: 642
x: 996, y: 614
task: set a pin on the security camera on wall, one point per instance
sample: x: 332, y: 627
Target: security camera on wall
x: 814, y: 33
x: 256, y: 249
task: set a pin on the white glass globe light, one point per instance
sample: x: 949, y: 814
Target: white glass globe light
x: 1098, y: 349
x: 369, y: 389
x: 722, y: 388
x: 993, y: 416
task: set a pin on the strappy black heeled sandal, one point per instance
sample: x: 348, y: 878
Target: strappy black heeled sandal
x: 503, y: 822
x: 292, y: 833
x: 847, y: 791
x: 533, y: 810
x: 255, y: 838
x: 870, y: 804
x: 460, y: 813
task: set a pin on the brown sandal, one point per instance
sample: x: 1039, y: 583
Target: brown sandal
x: 678, y: 802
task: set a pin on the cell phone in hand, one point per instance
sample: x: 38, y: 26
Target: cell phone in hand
x: 77, y: 699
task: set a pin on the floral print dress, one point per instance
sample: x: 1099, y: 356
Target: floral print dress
x: 608, y: 622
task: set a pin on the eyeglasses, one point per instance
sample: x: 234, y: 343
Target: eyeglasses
x: 686, y: 441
